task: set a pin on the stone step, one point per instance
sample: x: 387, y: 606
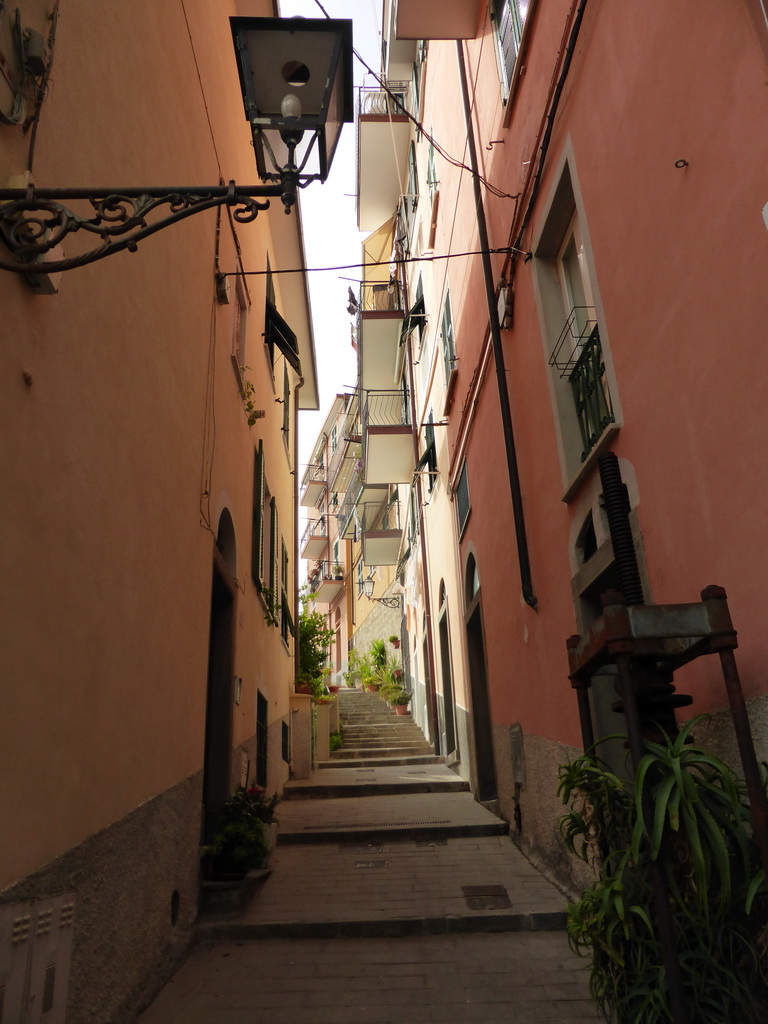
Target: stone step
x: 380, y: 762
x: 401, y: 750
x: 335, y: 791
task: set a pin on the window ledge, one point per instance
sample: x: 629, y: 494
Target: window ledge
x: 589, y: 463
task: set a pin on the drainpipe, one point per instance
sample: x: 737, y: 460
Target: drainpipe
x: 432, y: 687
x: 296, y: 539
x: 498, y: 354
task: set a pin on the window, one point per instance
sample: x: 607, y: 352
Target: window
x: 463, y: 506
x: 411, y: 198
x: 286, y: 619
x: 446, y: 337
x: 581, y: 381
x: 334, y: 439
x: 508, y: 18
x: 240, y: 323
x: 432, y: 181
x: 428, y: 460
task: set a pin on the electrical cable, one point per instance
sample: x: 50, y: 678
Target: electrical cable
x: 42, y: 88
x: 373, y: 263
x: 420, y: 127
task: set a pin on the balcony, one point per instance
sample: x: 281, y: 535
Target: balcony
x: 315, y: 539
x: 312, y: 486
x: 578, y: 355
x: 382, y: 125
x: 326, y: 582
x: 387, y: 438
x: 358, y: 494
x: 380, y: 323
x: 382, y: 533
x: 438, y: 19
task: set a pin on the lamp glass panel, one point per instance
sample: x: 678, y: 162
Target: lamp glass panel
x: 274, y: 54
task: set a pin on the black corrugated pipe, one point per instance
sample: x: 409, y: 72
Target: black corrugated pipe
x: 498, y: 353
x: 616, y: 503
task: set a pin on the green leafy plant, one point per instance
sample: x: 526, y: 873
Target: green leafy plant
x: 241, y: 843
x: 336, y: 741
x: 378, y: 654
x: 315, y: 640
x: 700, y: 832
x: 271, y: 606
x: 248, y: 391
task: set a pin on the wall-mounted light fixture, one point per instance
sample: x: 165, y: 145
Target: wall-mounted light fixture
x: 296, y: 80
x: 390, y: 602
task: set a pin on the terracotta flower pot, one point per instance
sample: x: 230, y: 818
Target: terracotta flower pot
x: 401, y: 709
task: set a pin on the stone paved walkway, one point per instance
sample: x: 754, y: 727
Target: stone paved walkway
x: 393, y: 898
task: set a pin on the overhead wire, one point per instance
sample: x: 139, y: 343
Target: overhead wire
x: 430, y: 138
x: 372, y: 263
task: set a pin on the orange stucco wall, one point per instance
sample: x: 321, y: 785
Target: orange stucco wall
x: 124, y: 437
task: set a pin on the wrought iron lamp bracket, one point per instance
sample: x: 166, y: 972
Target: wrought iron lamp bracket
x: 389, y: 602
x: 34, y: 221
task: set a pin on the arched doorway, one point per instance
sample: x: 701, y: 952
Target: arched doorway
x: 486, y: 787
x: 218, y: 709
x: 446, y: 673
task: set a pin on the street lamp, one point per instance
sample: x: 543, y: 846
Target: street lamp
x: 296, y: 80
x: 390, y: 602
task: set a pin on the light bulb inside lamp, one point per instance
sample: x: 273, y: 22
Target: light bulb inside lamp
x: 291, y: 106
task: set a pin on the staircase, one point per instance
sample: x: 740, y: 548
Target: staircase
x: 375, y: 736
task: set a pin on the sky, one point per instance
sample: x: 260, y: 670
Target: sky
x: 331, y: 237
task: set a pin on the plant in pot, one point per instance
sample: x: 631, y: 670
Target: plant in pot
x: 338, y: 572
x: 395, y: 641
x: 401, y: 698
x: 241, y: 843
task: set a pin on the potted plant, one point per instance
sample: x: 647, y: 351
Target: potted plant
x: 242, y: 843
x: 401, y: 698
x: 395, y: 641
x: 338, y: 572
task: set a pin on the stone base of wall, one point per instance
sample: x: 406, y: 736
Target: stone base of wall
x: 124, y: 878
x: 539, y: 809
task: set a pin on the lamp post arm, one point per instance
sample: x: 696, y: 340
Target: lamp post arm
x: 33, y: 221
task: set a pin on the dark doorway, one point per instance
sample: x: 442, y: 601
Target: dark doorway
x: 218, y: 711
x: 449, y: 708
x: 262, y: 732
x: 486, y: 788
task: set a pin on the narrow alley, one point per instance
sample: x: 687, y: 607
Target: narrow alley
x: 393, y: 897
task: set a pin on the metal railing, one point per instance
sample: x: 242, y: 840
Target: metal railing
x: 385, y: 409
x: 381, y: 297
x: 575, y: 334
x: 314, y: 473
x: 395, y: 99
x: 591, y: 394
x: 315, y: 528
x: 376, y: 517
x: 324, y: 571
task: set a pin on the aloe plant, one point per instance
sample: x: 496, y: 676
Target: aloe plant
x: 701, y: 833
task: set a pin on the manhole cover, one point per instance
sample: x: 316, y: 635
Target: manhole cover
x: 372, y: 864
x: 431, y: 842
x: 486, y: 897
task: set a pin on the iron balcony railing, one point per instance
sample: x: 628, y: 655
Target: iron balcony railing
x: 591, y: 394
x: 313, y: 474
x: 351, y: 499
x: 578, y: 355
x: 394, y: 99
x: 315, y: 528
x: 385, y: 409
x: 324, y: 571
x: 378, y: 517
x: 381, y: 297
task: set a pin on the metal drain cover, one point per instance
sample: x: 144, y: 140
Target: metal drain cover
x: 366, y: 848
x: 486, y: 897
x: 372, y: 864
x: 431, y: 842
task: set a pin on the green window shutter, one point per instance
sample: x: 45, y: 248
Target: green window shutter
x: 274, y: 554
x: 257, y: 531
